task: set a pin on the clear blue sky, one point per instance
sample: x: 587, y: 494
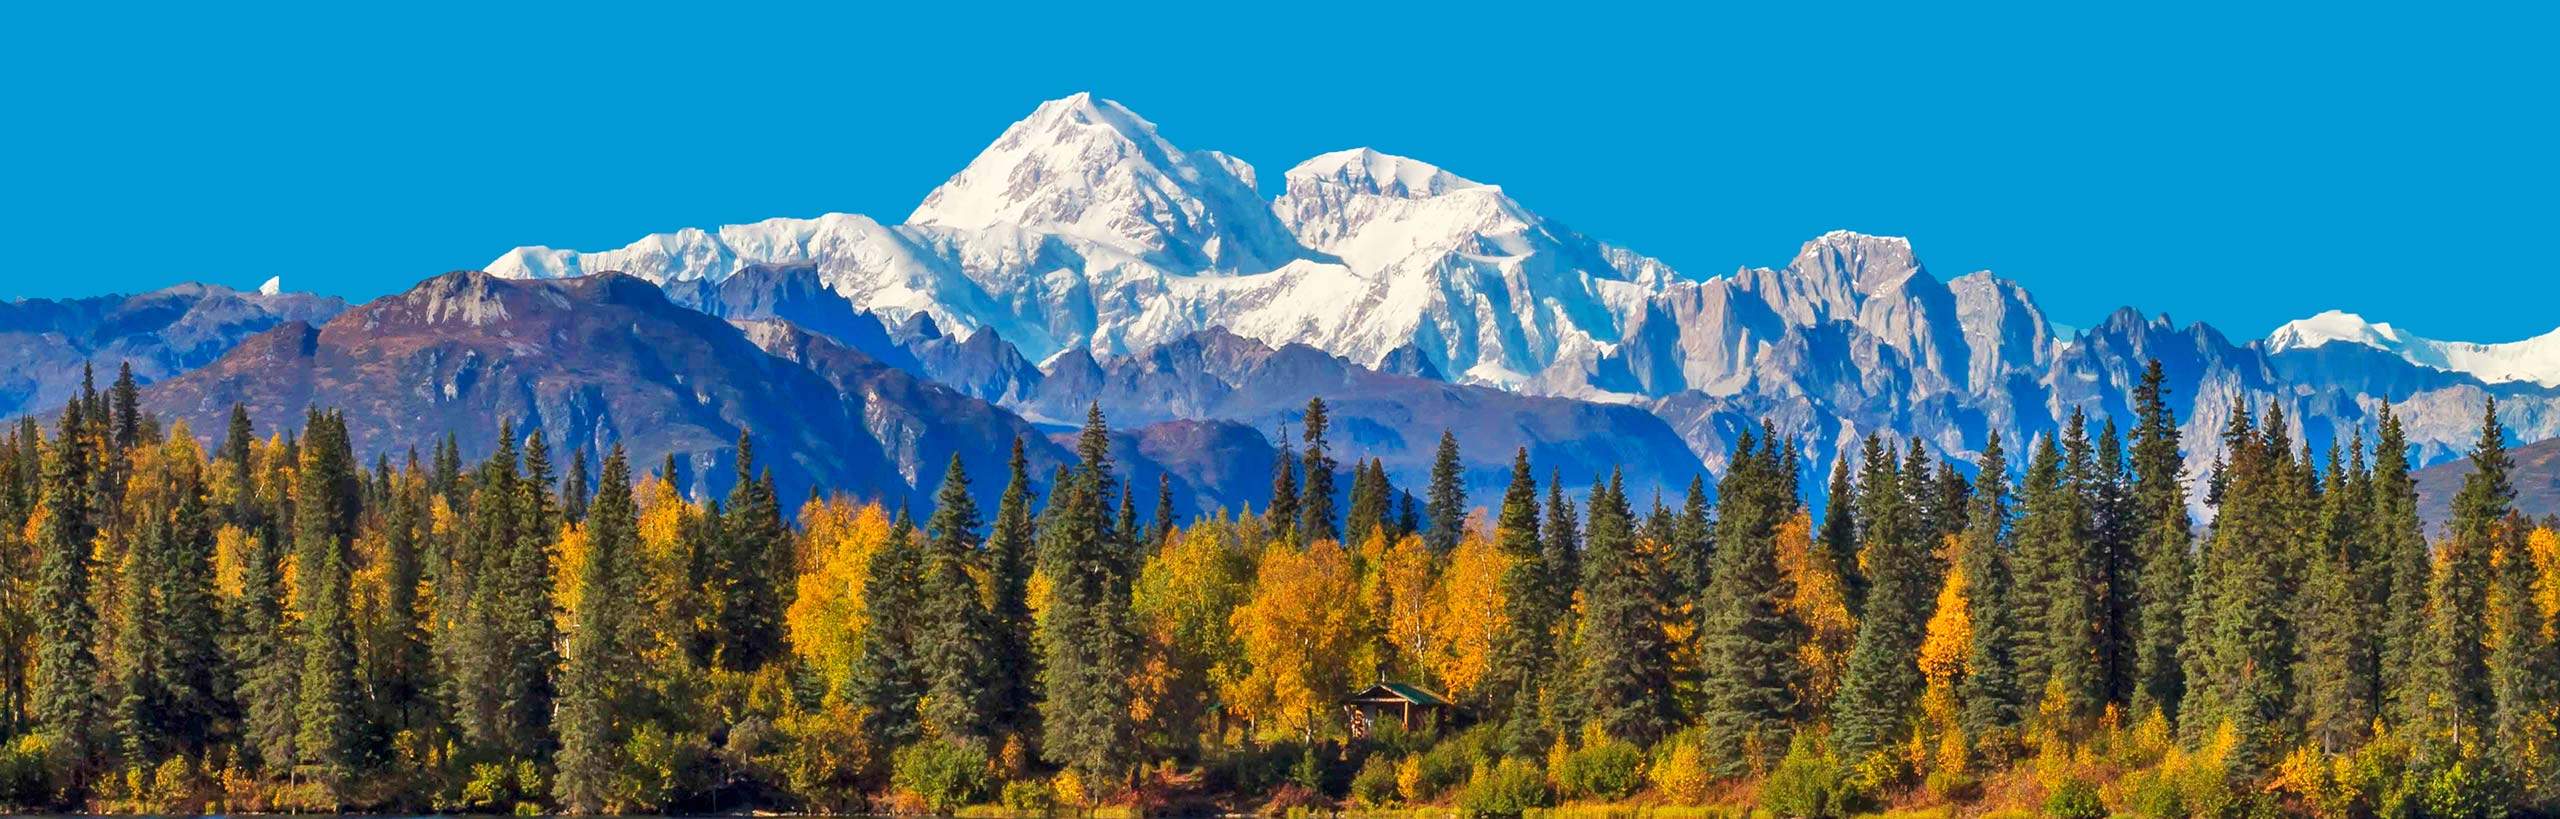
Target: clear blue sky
x: 2238, y: 163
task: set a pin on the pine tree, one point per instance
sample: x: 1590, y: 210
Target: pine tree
x: 955, y: 641
x: 1992, y: 697
x: 263, y: 659
x: 1624, y: 651
x: 1883, y: 678
x: 126, y: 430
x: 603, y: 645
x: 1009, y: 562
x: 2336, y: 701
x: 1693, y: 549
x: 1447, y: 506
x: 2161, y: 575
x: 1368, y: 499
x: 1087, y: 645
x: 2239, y: 616
x: 1315, y: 503
x: 1561, y: 545
x: 517, y: 591
x: 398, y: 669
x: 65, y: 701
x: 1523, y: 649
x: 1748, y: 638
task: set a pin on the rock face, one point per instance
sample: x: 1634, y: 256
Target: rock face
x: 604, y: 359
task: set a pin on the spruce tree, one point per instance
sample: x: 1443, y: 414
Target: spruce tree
x: 1749, y: 638
x: 2114, y: 535
x: 1165, y: 522
x: 1523, y: 648
x: 2336, y: 698
x: 1009, y: 562
x: 889, y: 680
x: 593, y: 717
x: 1839, y: 533
x: 574, y: 490
x: 1561, y: 546
x: 1315, y: 503
x: 326, y: 712
x: 1087, y: 645
x: 1623, y: 649
x: 955, y: 639
x: 2054, y: 577
x: 746, y: 584
x: 264, y: 662
x: 2458, y: 664
x: 66, y: 701
x: 1369, y: 511
x: 1283, y: 509
x: 2165, y: 539
x: 1693, y: 547
x: 1447, y: 505
x: 1883, y: 680
x: 2239, y: 618
x: 2406, y: 573
x: 517, y: 590
x: 1992, y: 697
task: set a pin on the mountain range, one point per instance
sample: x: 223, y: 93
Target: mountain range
x: 1083, y: 260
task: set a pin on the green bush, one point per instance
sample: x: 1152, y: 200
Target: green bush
x: 1029, y: 797
x: 1609, y: 770
x: 1511, y: 788
x: 1308, y: 773
x: 946, y: 775
x: 2075, y: 798
x: 24, y: 780
x: 1375, y: 785
x: 1809, y: 782
x: 1445, y: 767
x: 2466, y: 788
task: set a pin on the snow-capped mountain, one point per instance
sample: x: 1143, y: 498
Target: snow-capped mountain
x: 1083, y: 237
x: 2535, y: 360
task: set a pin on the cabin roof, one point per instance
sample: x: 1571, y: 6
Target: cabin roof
x: 1387, y: 691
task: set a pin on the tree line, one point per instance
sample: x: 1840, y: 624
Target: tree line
x: 271, y: 624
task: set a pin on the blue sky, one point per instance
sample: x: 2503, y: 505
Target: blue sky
x: 2236, y: 163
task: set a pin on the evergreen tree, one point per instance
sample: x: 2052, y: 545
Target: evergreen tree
x: 574, y: 490
x: 125, y: 431
x: 889, y: 681
x: 1014, y: 660
x: 517, y: 591
x: 398, y: 669
x: 2337, y: 699
x: 1561, y: 546
x: 1523, y: 648
x: 1165, y: 521
x: 66, y: 701
x: 746, y: 589
x: 955, y: 640
x: 604, y: 641
x: 1624, y: 650
x: 263, y: 659
x: 2114, y: 537
x: 2406, y: 573
x: 2238, y: 617
x: 1368, y: 499
x: 2054, y: 577
x: 1283, y: 509
x: 1087, y: 645
x: 1990, y: 691
x: 1749, y: 638
x: 1693, y: 547
x: 1315, y: 503
x: 2165, y: 539
x: 1447, y: 506
x: 326, y: 712
x: 2459, y: 671
x: 1839, y: 532
x: 1883, y: 677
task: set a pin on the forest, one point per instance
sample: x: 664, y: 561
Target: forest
x: 258, y: 621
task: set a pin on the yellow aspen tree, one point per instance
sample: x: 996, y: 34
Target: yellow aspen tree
x: 1821, y: 603
x: 825, y: 619
x: 1300, y: 633
x: 1945, y: 646
x: 1470, y: 604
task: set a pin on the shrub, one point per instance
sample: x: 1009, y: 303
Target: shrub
x: 1027, y: 797
x: 1308, y: 772
x: 1293, y: 799
x: 23, y: 779
x: 1510, y: 788
x: 1439, y: 771
x: 1679, y: 769
x: 946, y: 775
x: 1809, y: 782
x: 1375, y: 785
x: 2466, y: 788
x: 2075, y: 798
x: 1610, y: 769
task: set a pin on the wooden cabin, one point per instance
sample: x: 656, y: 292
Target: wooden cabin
x: 1404, y: 704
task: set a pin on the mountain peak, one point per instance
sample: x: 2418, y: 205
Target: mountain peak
x: 1867, y: 262
x: 1367, y: 171
x: 2334, y: 325
x: 1092, y: 169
